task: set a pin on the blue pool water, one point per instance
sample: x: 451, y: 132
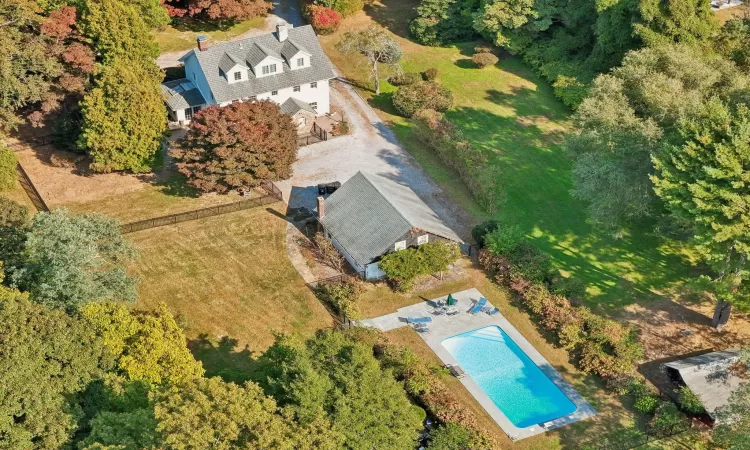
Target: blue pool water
x: 508, y: 376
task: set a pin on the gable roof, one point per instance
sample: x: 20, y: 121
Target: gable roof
x: 709, y: 377
x: 252, y: 51
x: 181, y: 94
x: 369, y: 213
x: 292, y: 106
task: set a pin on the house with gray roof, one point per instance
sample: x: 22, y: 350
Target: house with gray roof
x: 370, y: 216
x: 288, y: 67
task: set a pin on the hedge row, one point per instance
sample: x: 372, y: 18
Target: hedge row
x: 405, y: 266
x: 447, y: 140
x: 601, y: 346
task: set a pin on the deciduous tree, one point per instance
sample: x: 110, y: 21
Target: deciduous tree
x: 376, y: 45
x: 47, y: 358
x: 119, y: 30
x: 231, y: 10
x: 124, y: 118
x: 70, y: 260
x: 237, y: 147
x: 147, y: 345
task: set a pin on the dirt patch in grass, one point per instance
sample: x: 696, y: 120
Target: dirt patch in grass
x: 227, y: 277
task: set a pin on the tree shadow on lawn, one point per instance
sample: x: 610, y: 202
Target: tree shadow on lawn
x: 539, y: 102
x: 394, y: 15
x: 223, y: 358
x: 536, y: 182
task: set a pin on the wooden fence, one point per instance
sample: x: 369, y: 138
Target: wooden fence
x: 321, y: 133
x: 273, y: 195
x: 28, y: 187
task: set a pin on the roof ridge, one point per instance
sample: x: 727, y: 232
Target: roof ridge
x: 386, y: 198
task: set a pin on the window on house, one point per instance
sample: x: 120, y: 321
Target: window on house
x: 300, y: 62
x: 237, y: 76
x: 400, y: 245
x: 423, y: 239
x: 296, y: 89
x: 314, y: 85
x: 196, y: 109
x: 271, y: 68
x: 189, y: 114
x: 314, y: 105
x: 274, y: 92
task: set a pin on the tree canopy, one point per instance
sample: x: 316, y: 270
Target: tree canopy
x: 376, y: 45
x: 237, y: 146
x: 69, y: 260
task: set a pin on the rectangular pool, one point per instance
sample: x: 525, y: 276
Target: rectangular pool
x: 514, y: 383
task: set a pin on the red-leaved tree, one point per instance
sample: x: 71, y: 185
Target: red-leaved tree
x: 323, y: 20
x: 237, y: 146
x: 230, y: 10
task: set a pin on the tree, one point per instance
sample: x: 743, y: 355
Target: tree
x: 629, y: 114
x: 734, y: 41
x: 124, y: 118
x: 70, y: 260
x: 344, y: 7
x: 210, y: 413
x: 376, y: 45
x: 120, y: 30
x: 678, y: 21
x: 495, y: 17
x: 147, y: 345
x: 333, y: 376
x: 8, y: 170
x: 440, y: 22
x: 237, y: 147
x: 327, y: 253
x: 47, y: 358
x: 702, y: 181
x: 232, y: 10
x: 454, y: 436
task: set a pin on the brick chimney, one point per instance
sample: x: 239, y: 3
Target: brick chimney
x: 202, y: 43
x: 321, y: 207
x: 282, y: 30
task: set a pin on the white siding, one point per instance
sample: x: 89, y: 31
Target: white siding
x: 319, y: 95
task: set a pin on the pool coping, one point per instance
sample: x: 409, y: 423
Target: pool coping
x: 443, y: 327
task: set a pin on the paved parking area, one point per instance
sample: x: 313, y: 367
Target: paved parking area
x: 371, y: 147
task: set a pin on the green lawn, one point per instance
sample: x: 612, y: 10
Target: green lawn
x: 182, y: 37
x: 513, y: 116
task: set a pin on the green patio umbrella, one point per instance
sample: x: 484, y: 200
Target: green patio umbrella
x: 450, y: 301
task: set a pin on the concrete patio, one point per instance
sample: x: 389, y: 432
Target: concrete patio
x: 444, y: 326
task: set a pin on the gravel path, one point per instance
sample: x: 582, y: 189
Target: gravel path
x: 372, y: 147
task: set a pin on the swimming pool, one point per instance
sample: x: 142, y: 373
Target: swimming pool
x: 516, y: 385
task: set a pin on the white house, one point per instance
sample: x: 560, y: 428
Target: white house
x: 288, y: 67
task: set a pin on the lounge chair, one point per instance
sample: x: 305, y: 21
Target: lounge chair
x: 421, y: 328
x: 493, y: 311
x: 413, y: 320
x: 456, y: 371
x: 478, y: 306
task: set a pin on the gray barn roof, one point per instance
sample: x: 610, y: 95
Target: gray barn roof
x: 181, y: 94
x: 709, y: 377
x: 369, y: 213
x: 292, y: 106
x: 255, y: 49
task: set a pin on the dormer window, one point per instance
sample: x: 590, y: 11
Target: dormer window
x: 300, y: 62
x: 271, y: 68
x: 237, y: 76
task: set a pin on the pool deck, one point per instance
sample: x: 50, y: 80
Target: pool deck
x: 443, y: 326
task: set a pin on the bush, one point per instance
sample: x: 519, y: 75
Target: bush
x: 484, y: 48
x: 403, y: 79
x: 667, y: 419
x: 430, y: 74
x: 411, y: 98
x: 342, y: 297
x: 454, y: 436
x: 569, y: 287
x: 8, y: 173
x: 483, y: 59
x: 479, y: 232
x: 327, y: 253
x: 12, y: 214
x: 344, y: 7
x: 323, y: 20
x: 405, y: 266
x: 689, y: 402
x: 646, y: 404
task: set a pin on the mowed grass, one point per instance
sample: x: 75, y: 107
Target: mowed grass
x: 183, y: 37
x: 612, y: 415
x: 513, y: 117
x: 227, y: 278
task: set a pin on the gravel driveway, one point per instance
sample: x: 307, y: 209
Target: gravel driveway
x: 371, y: 147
